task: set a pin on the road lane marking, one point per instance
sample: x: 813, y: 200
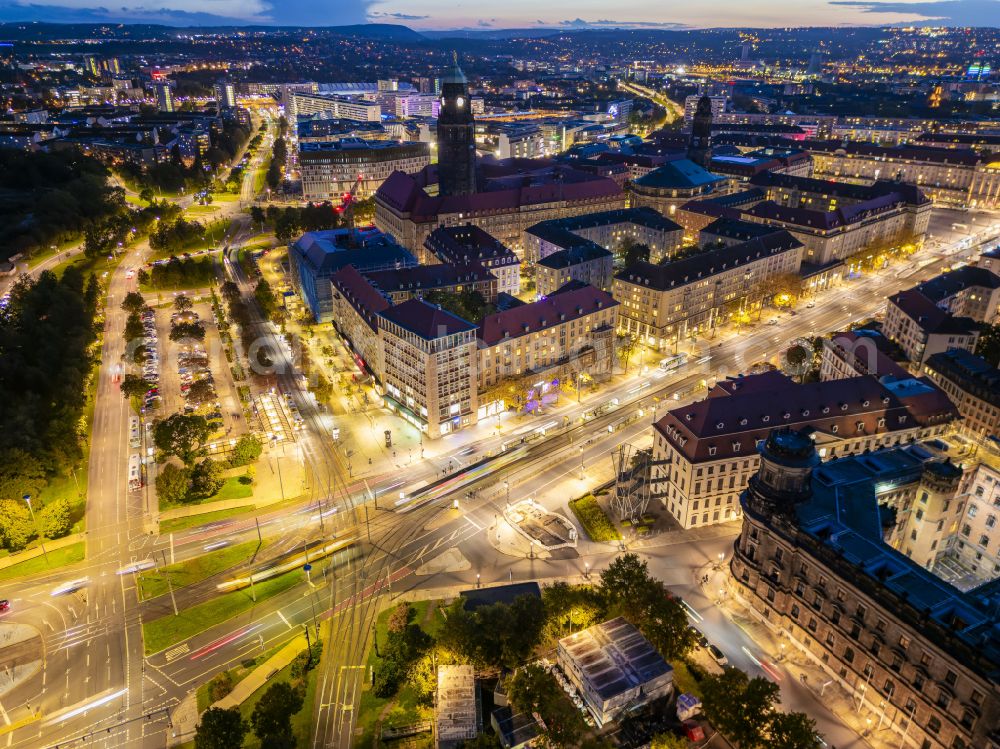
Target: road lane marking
x: 284, y: 619
x: 177, y: 652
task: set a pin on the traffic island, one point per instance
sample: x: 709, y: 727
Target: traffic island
x: 21, y: 652
x: 526, y: 529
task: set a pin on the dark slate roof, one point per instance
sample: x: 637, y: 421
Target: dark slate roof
x: 364, y: 297
x: 478, y: 597
x: 429, y: 277
x: 466, y: 243
x: 574, y: 256
x: 696, y: 267
x: 682, y: 174
x: 931, y: 318
x: 903, y: 191
x: 948, y: 284
x: 548, y: 311
x: 328, y: 251
x: 969, y: 372
x: 425, y: 320
x: 736, y: 229
x: 957, y: 156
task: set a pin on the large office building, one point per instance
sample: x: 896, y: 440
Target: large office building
x: 704, y: 452
x: 673, y: 184
x: 164, y: 94
x: 973, y: 386
x: 429, y: 367
x: 837, y: 220
x: 469, y: 244
x: 333, y: 107
x: 614, y: 668
x: 516, y: 195
x: 957, y: 177
x: 607, y: 229
x: 969, y: 291
x: 664, y: 304
x: 916, y: 654
x: 315, y: 256
x: 567, y: 335
x: 922, y: 328
x: 333, y: 168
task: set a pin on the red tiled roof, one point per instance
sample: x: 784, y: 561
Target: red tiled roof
x: 549, y: 311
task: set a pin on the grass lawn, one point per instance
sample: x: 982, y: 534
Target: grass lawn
x: 302, y: 721
x: 180, y: 524
x: 202, y: 210
x: 190, y: 571
x: 594, y: 520
x: 88, y: 265
x: 161, y: 633
x: 406, y: 707
x: 232, y: 488
x: 684, y: 680
x: 38, y: 566
x: 38, y: 255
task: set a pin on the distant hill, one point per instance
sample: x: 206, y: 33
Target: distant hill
x: 536, y: 32
x: 40, y: 31
x: 392, y: 31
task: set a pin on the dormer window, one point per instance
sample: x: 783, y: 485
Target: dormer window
x: 835, y: 429
x: 826, y: 409
x: 711, y: 450
x: 766, y: 419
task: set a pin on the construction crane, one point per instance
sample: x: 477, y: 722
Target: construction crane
x: 348, y: 202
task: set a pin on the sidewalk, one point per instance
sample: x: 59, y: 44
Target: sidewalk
x: 260, y: 675
x: 872, y: 724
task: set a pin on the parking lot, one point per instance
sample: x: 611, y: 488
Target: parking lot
x: 194, y: 375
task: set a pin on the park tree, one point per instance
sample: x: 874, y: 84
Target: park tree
x: 246, y: 450
x: 626, y: 589
x: 187, y: 330
x: 257, y: 215
x: 182, y: 435
x: 201, y: 391
x: 533, y: 689
x: 988, y: 344
x: 632, y: 252
x: 133, y: 303
x: 625, y: 346
x: 668, y: 741
x: 266, y: 299
x: 173, y: 484
x: 793, y: 731
x: 220, y: 729
x: 745, y: 710
x: 569, y: 608
x: 206, y: 478
x: 21, y: 473
x: 133, y: 328
x: 182, y: 303
x: 146, y: 195
x: 55, y: 519
x: 134, y: 385
x: 272, y: 715
x: 16, y: 528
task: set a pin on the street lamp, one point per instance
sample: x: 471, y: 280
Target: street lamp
x: 581, y: 462
x: 27, y: 498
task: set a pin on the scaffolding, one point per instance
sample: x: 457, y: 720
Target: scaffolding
x: 632, y: 487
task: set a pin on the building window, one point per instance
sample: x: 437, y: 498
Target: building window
x: 933, y: 725
x: 950, y: 678
x: 849, y: 655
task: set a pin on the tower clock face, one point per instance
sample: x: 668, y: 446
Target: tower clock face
x: 460, y: 102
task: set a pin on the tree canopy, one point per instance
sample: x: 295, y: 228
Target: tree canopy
x: 182, y: 435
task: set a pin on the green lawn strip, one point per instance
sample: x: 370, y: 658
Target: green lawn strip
x: 405, y: 707
x: 594, y: 520
x: 237, y: 673
x: 39, y: 566
x: 302, y: 724
x: 179, y: 524
x: 155, y: 582
x: 161, y: 633
x: 684, y: 680
x: 204, y: 210
x: 232, y: 488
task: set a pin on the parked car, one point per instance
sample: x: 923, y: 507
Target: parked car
x: 717, y: 655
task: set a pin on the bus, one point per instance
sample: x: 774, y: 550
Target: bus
x: 673, y: 362
x: 134, y: 435
x: 134, y: 473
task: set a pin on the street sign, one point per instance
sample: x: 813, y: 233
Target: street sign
x: 307, y: 567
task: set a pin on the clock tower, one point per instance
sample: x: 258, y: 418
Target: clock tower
x: 456, y: 136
